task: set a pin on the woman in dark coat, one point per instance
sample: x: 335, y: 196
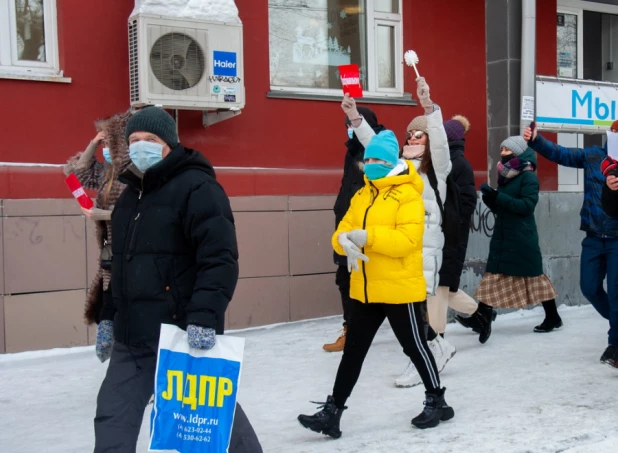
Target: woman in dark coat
x: 454, y: 257
x: 351, y: 182
x: 514, y: 275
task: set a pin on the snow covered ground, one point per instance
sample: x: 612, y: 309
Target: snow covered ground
x: 521, y: 392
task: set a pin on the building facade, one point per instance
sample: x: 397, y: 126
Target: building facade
x: 64, y: 64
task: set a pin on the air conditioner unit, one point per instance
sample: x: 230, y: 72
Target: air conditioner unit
x: 185, y: 63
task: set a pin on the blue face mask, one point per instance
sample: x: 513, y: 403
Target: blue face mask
x: 145, y: 154
x: 377, y: 171
x: 107, y: 156
x: 350, y: 133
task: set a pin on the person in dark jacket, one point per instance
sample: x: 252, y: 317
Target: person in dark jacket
x: 514, y: 275
x: 175, y: 261
x: 600, y: 245
x: 454, y: 257
x: 351, y: 182
x: 609, y: 200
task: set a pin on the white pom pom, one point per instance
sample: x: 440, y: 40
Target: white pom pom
x: 411, y: 58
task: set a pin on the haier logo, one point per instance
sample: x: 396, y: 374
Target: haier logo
x: 224, y: 63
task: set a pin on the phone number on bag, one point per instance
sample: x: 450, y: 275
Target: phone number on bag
x: 191, y: 437
x: 190, y: 429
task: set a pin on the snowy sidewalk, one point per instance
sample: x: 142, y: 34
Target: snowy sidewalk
x: 521, y: 392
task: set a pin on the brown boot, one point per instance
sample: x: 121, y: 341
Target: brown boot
x: 338, y: 345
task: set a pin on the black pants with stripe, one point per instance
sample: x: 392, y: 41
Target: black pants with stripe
x: 408, y: 324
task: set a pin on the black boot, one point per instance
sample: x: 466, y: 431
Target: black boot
x: 552, y: 318
x: 471, y: 322
x: 610, y: 356
x: 436, y: 411
x: 326, y: 421
x: 484, y: 316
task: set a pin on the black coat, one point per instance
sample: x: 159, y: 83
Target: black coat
x: 609, y: 201
x: 175, y: 257
x: 514, y: 247
x: 453, y: 258
x: 353, y: 177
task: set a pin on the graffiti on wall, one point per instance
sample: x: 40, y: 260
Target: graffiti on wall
x: 483, y: 221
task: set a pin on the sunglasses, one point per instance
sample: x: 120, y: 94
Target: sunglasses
x: 417, y: 135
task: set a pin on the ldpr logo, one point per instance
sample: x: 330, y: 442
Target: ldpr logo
x: 224, y: 64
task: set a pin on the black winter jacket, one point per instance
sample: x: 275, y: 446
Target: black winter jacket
x: 353, y: 177
x: 609, y: 201
x: 453, y: 258
x: 175, y: 257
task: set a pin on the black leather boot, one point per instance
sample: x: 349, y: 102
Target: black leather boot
x: 552, y: 318
x: 484, y: 316
x: 471, y: 322
x: 326, y: 421
x: 436, y: 411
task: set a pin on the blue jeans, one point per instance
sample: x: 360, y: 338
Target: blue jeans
x: 600, y: 259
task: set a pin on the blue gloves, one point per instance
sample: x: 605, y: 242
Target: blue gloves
x: 105, y: 340
x: 201, y: 337
x: 489, y: 194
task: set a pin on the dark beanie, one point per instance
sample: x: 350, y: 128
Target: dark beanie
x: 456, y: 128
x: 156, y: 121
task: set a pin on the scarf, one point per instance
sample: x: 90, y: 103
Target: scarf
x: 512, y: 169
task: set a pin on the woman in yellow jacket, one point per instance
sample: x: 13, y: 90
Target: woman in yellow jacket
x: 382, y: 236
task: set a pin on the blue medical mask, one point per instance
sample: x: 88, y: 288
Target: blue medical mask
x: 107, y: 156
x: 377, y: 171
x: 350, y: 133
x: 145, y: 154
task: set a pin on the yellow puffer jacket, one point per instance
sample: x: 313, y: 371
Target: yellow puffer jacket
x: 391, y: 210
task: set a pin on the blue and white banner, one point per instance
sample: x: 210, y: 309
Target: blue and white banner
x: 195, y: 393
x: 572, y: 105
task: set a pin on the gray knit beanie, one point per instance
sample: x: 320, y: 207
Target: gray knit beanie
x: 516, y: 143
x: 418, y: 124
x: 156, y: 121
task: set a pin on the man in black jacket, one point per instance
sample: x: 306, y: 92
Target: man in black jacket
x: 175, y: 261
x: 351, y: 182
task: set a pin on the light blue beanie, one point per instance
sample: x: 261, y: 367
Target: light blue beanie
x: 383, y: 146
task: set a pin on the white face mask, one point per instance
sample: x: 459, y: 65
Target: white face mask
x: 145, y: 154
x: 413, y: 151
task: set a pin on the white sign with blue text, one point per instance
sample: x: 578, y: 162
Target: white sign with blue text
x: 575, y: 105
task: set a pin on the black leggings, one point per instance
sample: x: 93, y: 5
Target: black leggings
x: 407, y: 322
x: 342, y: 279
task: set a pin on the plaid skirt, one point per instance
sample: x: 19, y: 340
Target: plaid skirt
x: 505, y: 291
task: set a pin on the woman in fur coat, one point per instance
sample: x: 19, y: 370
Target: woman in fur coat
x: 102, y: 177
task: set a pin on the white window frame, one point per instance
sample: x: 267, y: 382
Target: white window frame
x: 571, y: 140
x: 10, y: 65
x: 374, y: 18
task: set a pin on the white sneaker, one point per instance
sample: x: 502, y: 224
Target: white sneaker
x: 409, y: 378
x: 442, y: 351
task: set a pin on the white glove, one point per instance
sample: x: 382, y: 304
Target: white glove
x: 352, y: 252
x: 422, y: 91
x: 349, y: 107
x: 358, y: 237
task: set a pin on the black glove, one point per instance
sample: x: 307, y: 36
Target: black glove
x: 489, y: 195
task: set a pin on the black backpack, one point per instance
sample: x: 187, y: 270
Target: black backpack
x: 451, y: 210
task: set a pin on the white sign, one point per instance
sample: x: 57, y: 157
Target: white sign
x: 527, y: 108
x: 575, y: 105
x: 612, y: 144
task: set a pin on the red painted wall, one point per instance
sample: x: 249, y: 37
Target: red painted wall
x: 49, y: 122
x: 546, y: 63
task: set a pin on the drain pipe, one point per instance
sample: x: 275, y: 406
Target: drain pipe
x: 528, y: 63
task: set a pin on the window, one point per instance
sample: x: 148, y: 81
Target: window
x: 28, y: 38
x: 309, y: 39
